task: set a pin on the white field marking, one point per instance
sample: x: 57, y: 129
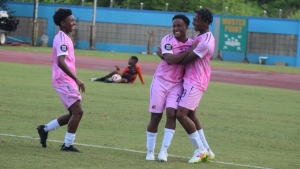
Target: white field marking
x: 129, y: 150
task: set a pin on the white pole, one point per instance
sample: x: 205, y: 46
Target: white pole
x: 265, y: 13
x: 111, y: 3
x: 94, y: 12
x: 142, y: 5
x: 167, y: 6
x: 93, y: 26
x: 280, y: 13
x: 36, y: 10
x: 35, y: 24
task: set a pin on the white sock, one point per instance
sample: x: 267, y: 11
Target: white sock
x: 202, y: 138
x: 52, y: 125
x: 69, y: 139
x: 151, y: 139
x: 168, y: 136
x: 195, y: 139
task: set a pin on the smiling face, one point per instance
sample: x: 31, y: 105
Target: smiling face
x: 68, y: 24
x: 179, y: 28
x: 199, y: 24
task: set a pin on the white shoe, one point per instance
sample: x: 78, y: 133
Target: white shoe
x: 210, y: 156
x: 162, y: 156
x: 93, y: 79
x: 198, y: 156
x: 150, y: 156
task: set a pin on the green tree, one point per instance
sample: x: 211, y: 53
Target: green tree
x: 290, y: 8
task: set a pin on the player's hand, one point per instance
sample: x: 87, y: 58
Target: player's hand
x: 117, y: 67
x: 159, y: 52
x: 194, y: 45
x: 80, y: 85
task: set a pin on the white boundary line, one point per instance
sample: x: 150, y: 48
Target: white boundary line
x: 129, y: 150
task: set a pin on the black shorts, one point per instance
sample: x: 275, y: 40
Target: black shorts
x: 129, y: 80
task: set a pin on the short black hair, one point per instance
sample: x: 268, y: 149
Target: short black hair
x: 205, y: 15
x: 185, y: 19
x: 60, y: 15
x: 135, y: 58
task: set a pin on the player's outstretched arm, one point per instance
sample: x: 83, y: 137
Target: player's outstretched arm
x: 63, y: 66
x: 199, y: 52
x: 191, y: 57
x: 173, y: 59
x: 139, y: 71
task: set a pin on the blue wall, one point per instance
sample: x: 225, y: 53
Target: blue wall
x: 158, y: 18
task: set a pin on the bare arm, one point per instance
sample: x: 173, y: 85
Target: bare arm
x: 63, y: 66
x: 191, y: 57
x: 117, y: 67
x: 139, y: 71
x: 172, y: 59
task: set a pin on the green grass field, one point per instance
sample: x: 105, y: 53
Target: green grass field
x: 153, y: 58
x: 244, y: 125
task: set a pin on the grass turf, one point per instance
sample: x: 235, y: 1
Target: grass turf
x: 249, y: 125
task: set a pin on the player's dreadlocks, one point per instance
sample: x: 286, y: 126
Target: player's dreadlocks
x: 185, y: 19
x: 205, y: 15
x: 60, y: 15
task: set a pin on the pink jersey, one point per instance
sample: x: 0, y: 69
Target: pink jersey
x: 197, y: 73
x: 62, y: 46
x: 172, y: 73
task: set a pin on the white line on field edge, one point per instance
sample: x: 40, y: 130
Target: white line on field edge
x: 129, y: 150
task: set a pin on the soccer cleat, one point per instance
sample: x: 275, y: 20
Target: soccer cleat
x: 198, y: 156
x: 69, y: 149
x: 43, y: 135
x: 210, y: 155
x: 93, y: 79
x: 162, y: 156
x: 150, y: 156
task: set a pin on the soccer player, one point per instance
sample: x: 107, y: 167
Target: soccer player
x: 65, y: 81
x: 197, y: 74
x: 128, y: 75
x: 166, y: 87
x: 196, y: 79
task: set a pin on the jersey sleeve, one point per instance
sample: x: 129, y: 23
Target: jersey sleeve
x: 61, y: 46
x: 166, y: 44
x: 202, y: 49
x: 139, y: 71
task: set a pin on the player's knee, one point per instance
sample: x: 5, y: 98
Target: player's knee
x: 192, y: 115
x: 156, y: 117
x: 179, y: 116
x: 171, y: 115
x: 78, y: 113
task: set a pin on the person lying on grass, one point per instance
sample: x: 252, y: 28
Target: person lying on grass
x: 127, y: 76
